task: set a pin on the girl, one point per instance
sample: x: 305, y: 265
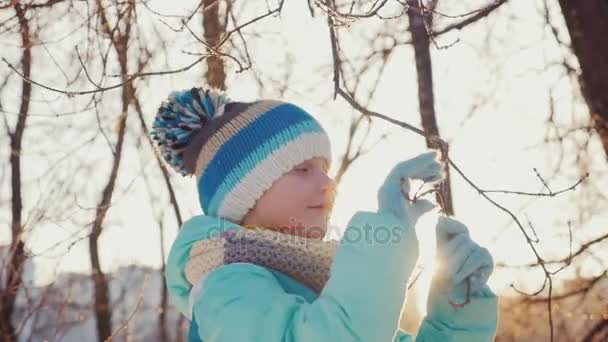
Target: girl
x: 255, y: 267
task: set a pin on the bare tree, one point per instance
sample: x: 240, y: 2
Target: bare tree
x: 424, y: 71
x: 120, y: 40
x: 420, y: 20
x: 587, y: 23
x: 216, y: 75
x: 163, y: 309
x: 17, y: 254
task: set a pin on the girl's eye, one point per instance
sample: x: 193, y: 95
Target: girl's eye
x: 302, y: 169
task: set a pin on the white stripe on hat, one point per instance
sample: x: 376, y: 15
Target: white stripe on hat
x: 243, y: 196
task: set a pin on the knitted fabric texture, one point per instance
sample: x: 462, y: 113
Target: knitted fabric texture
x: 237, y: 150
x: 305, y: 260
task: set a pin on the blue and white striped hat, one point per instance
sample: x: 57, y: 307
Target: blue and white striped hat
x: 237, y: 150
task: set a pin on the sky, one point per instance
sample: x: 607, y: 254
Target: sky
x: 498, y: 146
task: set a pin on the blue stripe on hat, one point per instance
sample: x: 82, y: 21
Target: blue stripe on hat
x: 260, y: 154
x: 244, y: 142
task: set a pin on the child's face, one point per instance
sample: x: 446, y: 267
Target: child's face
x: 298, y: 203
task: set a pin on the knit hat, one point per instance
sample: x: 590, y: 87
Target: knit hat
x: 237, y: 150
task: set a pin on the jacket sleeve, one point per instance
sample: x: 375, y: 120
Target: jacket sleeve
x: 475, y: 322
x: 361, y: 301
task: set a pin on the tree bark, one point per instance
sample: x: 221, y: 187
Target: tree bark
x: 17, y: 255
x: 216, y: 75
x: 426, y: 100
x: 102, y: 305
x: 164, y: 301
x: 103, y: 313
x: 587, y: 23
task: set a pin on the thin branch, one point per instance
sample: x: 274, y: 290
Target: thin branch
x: 582, y: 290
x: 478, y: 14
x: 539, y: 194
x: 580, y: 251
x: 332, y: 11
x: 130, y: 78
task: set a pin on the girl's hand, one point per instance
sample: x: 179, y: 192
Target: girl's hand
x: 393, y: 195
x: 459, y: 257
x: 460, y: 305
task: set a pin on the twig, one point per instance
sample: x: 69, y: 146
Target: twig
x: 539, y: 194
x: 130, y: 78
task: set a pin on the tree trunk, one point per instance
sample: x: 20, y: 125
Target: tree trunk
x: 102, y: 305
x: 216, y: 76
x: 103, y: 313
x: 164, y: 302
x: 587, y: 23
x: 162, y: 317
x: 17, y: 255
x: 426, y: 100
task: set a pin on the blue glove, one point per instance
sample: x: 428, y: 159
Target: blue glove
x: 460, y: 258
x: 393, y: 195
x: 460, y: 305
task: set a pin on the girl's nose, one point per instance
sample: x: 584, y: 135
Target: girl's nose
x: 329, y: 188
x: 328, y: 183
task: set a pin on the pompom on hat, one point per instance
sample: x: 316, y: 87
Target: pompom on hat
x: 237, y: 150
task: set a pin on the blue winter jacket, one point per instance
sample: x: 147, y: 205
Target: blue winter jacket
x: 361, y: 301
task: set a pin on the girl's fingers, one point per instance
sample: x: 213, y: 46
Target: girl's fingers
x: 431, y: 175
x: 425, y: 158
x: 454, y: 254
x: 480, y: 277
x: 430, y: 172
x: 449, y: 248
x: 404, y: 187
x: 422, y: 206
x: 459, y: 256
x: 468, y: 267
x: 414, y: 167
x: 448, y: 227
x: 475, y: 262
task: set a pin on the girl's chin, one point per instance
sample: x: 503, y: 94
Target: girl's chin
x: 315, y: 230
x: 312, y: 226
x: 311, y: 230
